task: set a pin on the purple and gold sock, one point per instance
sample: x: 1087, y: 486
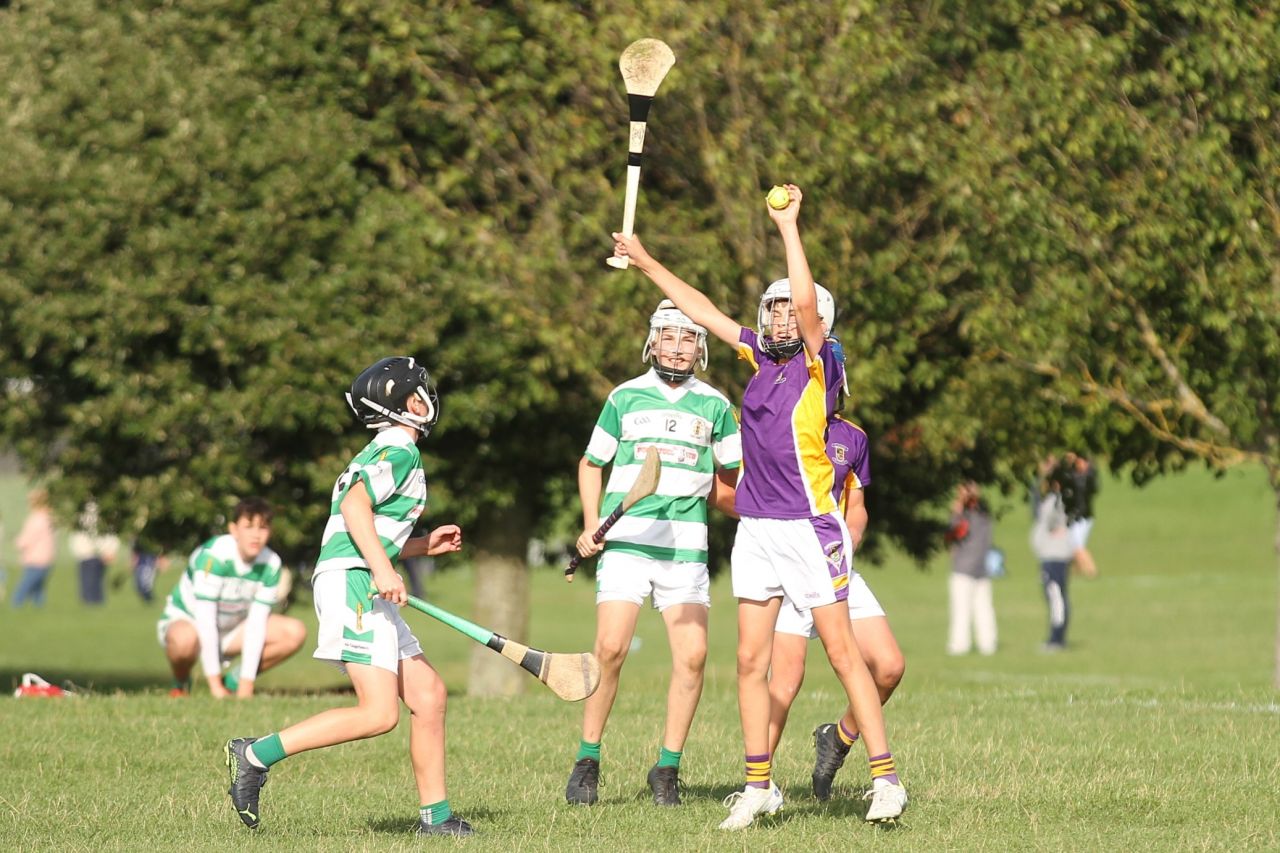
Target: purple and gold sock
x: 758, y: 771
x: 846, y: 737
x: 882, y: 767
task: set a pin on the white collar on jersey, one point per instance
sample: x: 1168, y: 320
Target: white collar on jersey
x: 672, y: 394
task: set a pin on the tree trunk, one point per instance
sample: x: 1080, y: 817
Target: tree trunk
x: 501, y: 602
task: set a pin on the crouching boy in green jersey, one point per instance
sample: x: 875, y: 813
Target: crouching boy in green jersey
x: 375, y: 504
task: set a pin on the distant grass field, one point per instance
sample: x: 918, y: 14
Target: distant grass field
x: 1157, y: 730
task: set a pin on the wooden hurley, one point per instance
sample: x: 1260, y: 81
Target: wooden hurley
x: 644, y: 64
x: 646, y: 484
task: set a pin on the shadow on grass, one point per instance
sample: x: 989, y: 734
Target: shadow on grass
x: 106, y: 682
x: 399, y: 824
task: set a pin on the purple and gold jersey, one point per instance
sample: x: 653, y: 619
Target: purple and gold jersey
x: 847, y: 447
x: 785, y: 469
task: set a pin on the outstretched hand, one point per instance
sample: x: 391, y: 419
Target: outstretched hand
x: 790, y: 214
x: 445, y: 539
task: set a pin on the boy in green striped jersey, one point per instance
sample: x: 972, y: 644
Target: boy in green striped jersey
x: 375, y: 503
x: 222, y: 608
x: 659, y: 548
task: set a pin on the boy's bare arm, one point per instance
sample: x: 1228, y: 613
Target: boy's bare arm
x: 693, y: 302
x: 357, y: 512
x: 804, y: 299
x: 590, y: 483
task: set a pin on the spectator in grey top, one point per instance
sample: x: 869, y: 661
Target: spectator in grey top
x: 1054, y: 547
x: 973, y: 613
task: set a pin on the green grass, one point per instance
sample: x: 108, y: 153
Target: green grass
x: 1157, y: 730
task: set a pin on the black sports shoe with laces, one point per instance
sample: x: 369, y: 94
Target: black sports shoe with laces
x: 454, y: 826
x: 246, y: 780
x: 584, y: 782
x: 665, y: 783
x: 829, y: 755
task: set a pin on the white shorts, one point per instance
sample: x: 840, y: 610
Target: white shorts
x: 805, y: 559
x: 1080, y: 531
x: 172, y: 614
x: 624, y: 576
x: 357, y: 629
x: 862, y: 605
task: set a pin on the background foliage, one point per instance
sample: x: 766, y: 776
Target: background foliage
x: 1046, y: 224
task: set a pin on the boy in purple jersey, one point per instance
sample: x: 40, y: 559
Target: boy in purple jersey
x: 847, y: 447
x: 791, y: 538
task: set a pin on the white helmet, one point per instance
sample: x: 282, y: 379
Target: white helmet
x: 668, y: 316
x: 781, y: 290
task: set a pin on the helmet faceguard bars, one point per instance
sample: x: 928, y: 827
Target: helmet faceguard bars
x: 780, y: 291
x: 667, y: 316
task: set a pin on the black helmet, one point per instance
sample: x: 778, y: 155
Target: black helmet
x: 380, y: 394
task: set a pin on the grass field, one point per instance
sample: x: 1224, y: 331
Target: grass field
x: 1157, y: 730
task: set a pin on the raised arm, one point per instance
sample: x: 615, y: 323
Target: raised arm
x: 804, y: 299
x: 695, y: 305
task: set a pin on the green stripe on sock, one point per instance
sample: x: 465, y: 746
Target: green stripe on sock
x: 588, y: 750
x: 436, y: 813
x: 268, y: 750
x: 667, y: 758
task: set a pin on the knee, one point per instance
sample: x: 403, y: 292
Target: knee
x: 612, y: 652
x: 690, y: 659
x: 752, y: 663
x: 427, y: 701
x: 182, y: 643
x: 887, y: 672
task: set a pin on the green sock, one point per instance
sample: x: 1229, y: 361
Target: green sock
x: 436, y: 813
x: 268, y: 750
x: 588, y: 750
x: 667, y: 758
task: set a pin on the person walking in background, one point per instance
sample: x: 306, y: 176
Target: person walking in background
x: 973, y: 612
x: 93, y: 552
x: 1053, y: 546
x: 36, y: 550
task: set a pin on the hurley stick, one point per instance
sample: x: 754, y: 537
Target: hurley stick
x: 646, y: 484
x: 570, y: 676
x: 644, y: 64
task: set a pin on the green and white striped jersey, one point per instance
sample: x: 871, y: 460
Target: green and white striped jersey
x: 390, y: 468
x: 216, y: 573
x: 693, y: 428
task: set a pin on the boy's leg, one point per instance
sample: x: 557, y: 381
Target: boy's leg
x: 756, y: 620
x: 687, y: 634
x: 888, y: 796
x: 880, y: 652
x: 424, y: 693
x: 182, y: 648
x: 687, y: 638
x: 786, y: 674
x: 615, y: 626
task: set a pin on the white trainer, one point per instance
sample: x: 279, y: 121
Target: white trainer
x: 887, y: 801
x: 744, y: 805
